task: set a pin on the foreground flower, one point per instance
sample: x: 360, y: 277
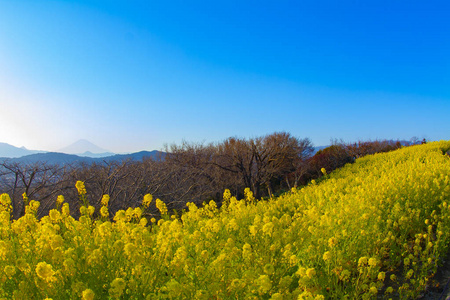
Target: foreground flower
x: 60, y: 199
x: 147, y: 200
x: 45, y: 271
x: 88, y: 295
x: 105, y: 200
x: 80, y: 187
x: 161, y: 206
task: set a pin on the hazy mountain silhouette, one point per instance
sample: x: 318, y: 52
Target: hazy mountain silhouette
x: 81, y: 151
x: 63, y: 158
x: 7, y: 150
x: 86, y: 149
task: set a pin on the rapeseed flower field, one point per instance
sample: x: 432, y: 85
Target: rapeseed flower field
x: 377, y: 228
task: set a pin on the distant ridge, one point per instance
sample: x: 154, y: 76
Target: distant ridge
x: 137, y: 156
x: 95, y: 155
x: 58, y: 158
x: 55, y: 158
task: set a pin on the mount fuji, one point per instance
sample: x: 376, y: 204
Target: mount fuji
x: 85, y: 148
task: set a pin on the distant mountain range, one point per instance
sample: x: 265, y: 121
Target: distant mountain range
x: 63, y: 159
x: 7, y: 150
x: 81, y: 151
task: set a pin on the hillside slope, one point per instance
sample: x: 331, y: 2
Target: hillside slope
x: 375, y: 228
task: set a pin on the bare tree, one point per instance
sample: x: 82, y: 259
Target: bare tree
x: 261, y: 161
x: 40, y: 181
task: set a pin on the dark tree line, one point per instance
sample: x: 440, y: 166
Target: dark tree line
x: 188, y: 172
x: 262, y: 164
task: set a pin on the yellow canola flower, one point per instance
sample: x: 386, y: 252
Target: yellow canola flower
x: 248, y: 195
x: 120, y: 216
x: 129, y: 213
x: 91, y: 210
x: 276, y: 296
x: 363, y: 261
x: 226, y: 197
x: 117, y: 287
x: 45, y: 271
x: 310, y: 272
x: 161, y: 206
x: 69, y: 266
x: 5, y: 217
x: 65, y: 209
x: 129, y: 249
x: 5, y: 199
x: 80, y: 187
x: 10, y: 271
x: 175, y: 288
x: 268, y: 228
x: 105, y: 200
x: 269, y: 269
x: 265, y: 284
x: 33, y: 206
x: 5, y: 203
x: 88, y: 294
x: 60, y: 199
x: 332, y: 242
x: 83, y: 210
x: 54, y: 215
x: 137, y: 212
x: 104, y: 211
x: 372, y: 262
x: 307, y: 295
x: 143, y: 222
x: 147, y: 200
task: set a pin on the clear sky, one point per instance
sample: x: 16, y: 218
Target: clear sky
x: 134, y: 75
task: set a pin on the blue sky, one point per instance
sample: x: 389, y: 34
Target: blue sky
x: 134, y: 75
